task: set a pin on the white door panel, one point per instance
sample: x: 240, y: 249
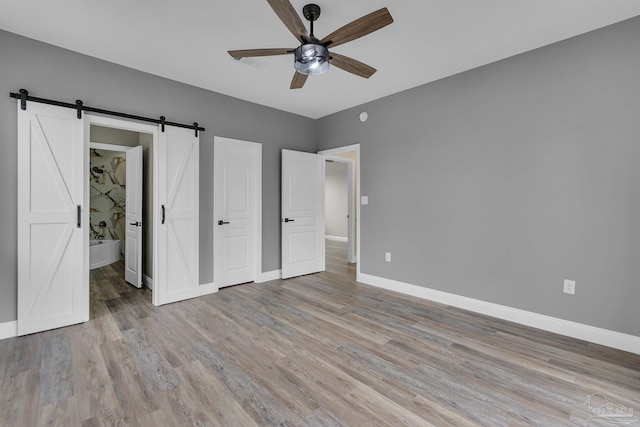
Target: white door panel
x: 302, y: 213
x: 133, y: 245
x: 236, y: 168
x: 52, y: 236
x: 178, y: 237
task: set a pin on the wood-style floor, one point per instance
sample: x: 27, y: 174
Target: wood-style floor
x: 318, y: 350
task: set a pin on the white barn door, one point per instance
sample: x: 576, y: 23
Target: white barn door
x: 302, y: 213
x: 52, y: 219
x: 133, y: 246
x: 177, y: 262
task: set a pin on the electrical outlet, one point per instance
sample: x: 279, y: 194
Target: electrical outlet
x: 387, y: 256
x: 569, y: 287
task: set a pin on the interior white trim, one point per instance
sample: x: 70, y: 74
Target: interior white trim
x: 130, y: 125
x: 568, y: 328
x: 109, y: 147
x: 269, y: 275
x: 346, y: 149
x: 340, y: 150
x: 201, y: 290
x: 336, y: 238
x: 8, y: 329
x: 147, y: 281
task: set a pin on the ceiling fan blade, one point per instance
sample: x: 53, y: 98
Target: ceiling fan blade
x: 289, y: 18
x: 358, y: 28
x: 237, y: 54
x: 351, y: 65
x: 298, y: 80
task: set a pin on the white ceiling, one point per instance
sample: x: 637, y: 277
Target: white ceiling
x: 187, y: 40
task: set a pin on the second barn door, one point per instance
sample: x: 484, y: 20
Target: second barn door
x: 178, y: 254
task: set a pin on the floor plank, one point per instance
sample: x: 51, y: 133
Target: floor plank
x: 317, y: 350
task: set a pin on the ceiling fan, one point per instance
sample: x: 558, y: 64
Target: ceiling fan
x: 312, y: 57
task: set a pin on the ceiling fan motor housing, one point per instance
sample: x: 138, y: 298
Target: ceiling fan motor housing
x: 311, y: 12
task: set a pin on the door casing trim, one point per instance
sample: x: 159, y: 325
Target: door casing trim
x: 130, y: 125
x: 358, y: 173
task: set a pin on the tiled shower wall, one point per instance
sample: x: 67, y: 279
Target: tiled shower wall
x: 107, y: 175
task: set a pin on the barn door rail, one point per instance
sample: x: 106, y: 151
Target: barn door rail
x: 23, y: 96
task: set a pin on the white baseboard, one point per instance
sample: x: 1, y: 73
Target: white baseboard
x: 336, y: 238
x: 630, y: 343
x: 269, y: 275
x: 8, y: 329
x: 207, y: 288
x: 201, y: 290
x: 147, y: 281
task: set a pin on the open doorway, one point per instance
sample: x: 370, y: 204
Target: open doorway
x: 338, y: 215
x: 342, y: 212
x: 121, y: 204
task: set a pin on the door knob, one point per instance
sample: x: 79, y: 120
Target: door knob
x: 289, y: 220
x: 221, y: 222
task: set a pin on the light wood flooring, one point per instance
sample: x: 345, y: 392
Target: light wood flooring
x: 318, y: 350
x: 336, y: 258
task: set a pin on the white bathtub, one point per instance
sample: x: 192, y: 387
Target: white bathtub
x: 103, y: 252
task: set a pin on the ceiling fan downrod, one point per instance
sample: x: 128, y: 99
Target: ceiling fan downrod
x: 311, y: 12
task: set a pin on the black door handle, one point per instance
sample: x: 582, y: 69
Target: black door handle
x: 137, y: 224
x: 163, y: 214
x: 221, y: 222
x: 288, y: 220
x: 79, y: 216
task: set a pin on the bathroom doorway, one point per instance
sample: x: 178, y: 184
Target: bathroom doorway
x: 121, y: 200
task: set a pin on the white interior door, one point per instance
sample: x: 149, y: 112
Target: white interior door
x: 236, y: 166
x: 176, y: 274
x: 302, y: 213
x: 133, y: 246
x: 52, y: 219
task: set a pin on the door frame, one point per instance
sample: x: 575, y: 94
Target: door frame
x: 356, y: 173
x: 350, y: 203
x: 256, y: 215
x: 118, y: 148
x: 92, y: 119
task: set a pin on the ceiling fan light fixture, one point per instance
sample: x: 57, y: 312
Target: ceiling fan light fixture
x: 311, y: 59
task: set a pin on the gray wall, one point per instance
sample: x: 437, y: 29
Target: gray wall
x: 51, y: 72
x: 500, y: 182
